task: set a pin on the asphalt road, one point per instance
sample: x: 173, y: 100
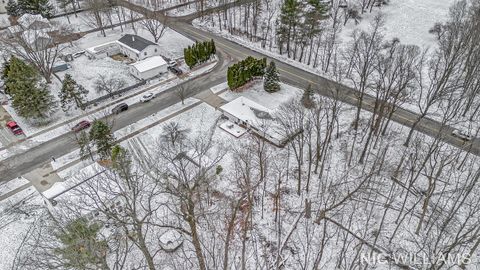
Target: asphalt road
x: 228, y: 52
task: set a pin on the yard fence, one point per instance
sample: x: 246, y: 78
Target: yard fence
x: 113, y: 94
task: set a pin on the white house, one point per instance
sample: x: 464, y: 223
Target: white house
x: 148, y: 68
x: 138, y: 48
x: 257, y: 118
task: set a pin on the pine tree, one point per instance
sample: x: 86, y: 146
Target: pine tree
x: 72, y: 93
x: 307, y: 97
x: 42, y: 7
x: 270, y: 80
x: 81, y: 247
x: 31, y: 99
x: 101, y: 136
x: 13, y: 9
x: 290, y: 18
x: 5, y: 69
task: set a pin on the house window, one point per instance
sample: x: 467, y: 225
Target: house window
x: 145, y: 53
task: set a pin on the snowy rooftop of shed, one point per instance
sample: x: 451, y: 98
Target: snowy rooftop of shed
x: 149, y: 63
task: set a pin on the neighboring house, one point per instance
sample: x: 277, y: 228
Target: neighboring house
x: 148, y: 68
x: 138, y: 48
x: 30, y: 22
x: 33, y: 22
x: 34, y: 30
x: 3, y: 5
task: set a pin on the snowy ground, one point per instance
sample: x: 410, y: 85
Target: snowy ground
x: 87, y: 76
x: 269, y: 100
x: 4, y: 20
x: 408, y: 20
x: 200, y: 118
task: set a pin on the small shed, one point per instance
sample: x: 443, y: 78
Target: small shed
x: 60, y: 66
x: 148, y: 68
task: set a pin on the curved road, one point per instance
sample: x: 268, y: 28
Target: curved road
x: 228, y: 51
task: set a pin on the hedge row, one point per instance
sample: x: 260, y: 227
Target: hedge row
x: 244, y: 71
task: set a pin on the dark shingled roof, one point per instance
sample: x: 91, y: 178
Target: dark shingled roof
x: 135, y: 42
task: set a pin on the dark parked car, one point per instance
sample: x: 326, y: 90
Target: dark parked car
x: 13, y: 126
x: 175, y: 70
x: 120, y: 108
x: 81, y: 126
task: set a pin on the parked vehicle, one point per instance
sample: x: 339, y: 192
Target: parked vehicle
x: 175, y: 70
x: 172, y: 63
x: 120, y: 108
x: 13, y: 126
x: 462, y: 135
x: 147, y: 97
x: 81, y: 126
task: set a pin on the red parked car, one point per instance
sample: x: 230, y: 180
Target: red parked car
x: 81, y: 125
x: 12, y: 125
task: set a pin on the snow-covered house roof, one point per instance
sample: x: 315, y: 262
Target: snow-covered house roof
x: 33, y: 22
x: 135, y: 43
x: 257, y: 117
x: 149, y: 63
x: 248, y: 111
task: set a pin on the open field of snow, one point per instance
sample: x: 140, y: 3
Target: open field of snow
x: 408, y: 20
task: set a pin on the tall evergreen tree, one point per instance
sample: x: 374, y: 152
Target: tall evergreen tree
x: 42, y: 7
x: 271, y: 80
x: 81, y: 247
x: 31, y: 99
x: 290, y: 18
x: 13, y: 9
x: 101, y: 136
x: 72, y: 93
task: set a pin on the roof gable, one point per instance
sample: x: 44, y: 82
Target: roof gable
x: 135, y: 42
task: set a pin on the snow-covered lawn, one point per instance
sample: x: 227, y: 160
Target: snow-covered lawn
x: 408, y: 20
x: 269, y: 100
x: 86, y: 72
x: 4, y: 20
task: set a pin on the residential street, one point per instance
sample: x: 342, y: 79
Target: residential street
x: 228, y: 52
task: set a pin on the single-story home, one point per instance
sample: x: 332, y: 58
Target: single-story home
x: 256, y: 118
x: 103, y: 50
x: 148, y: 68
x: 138, y: 48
